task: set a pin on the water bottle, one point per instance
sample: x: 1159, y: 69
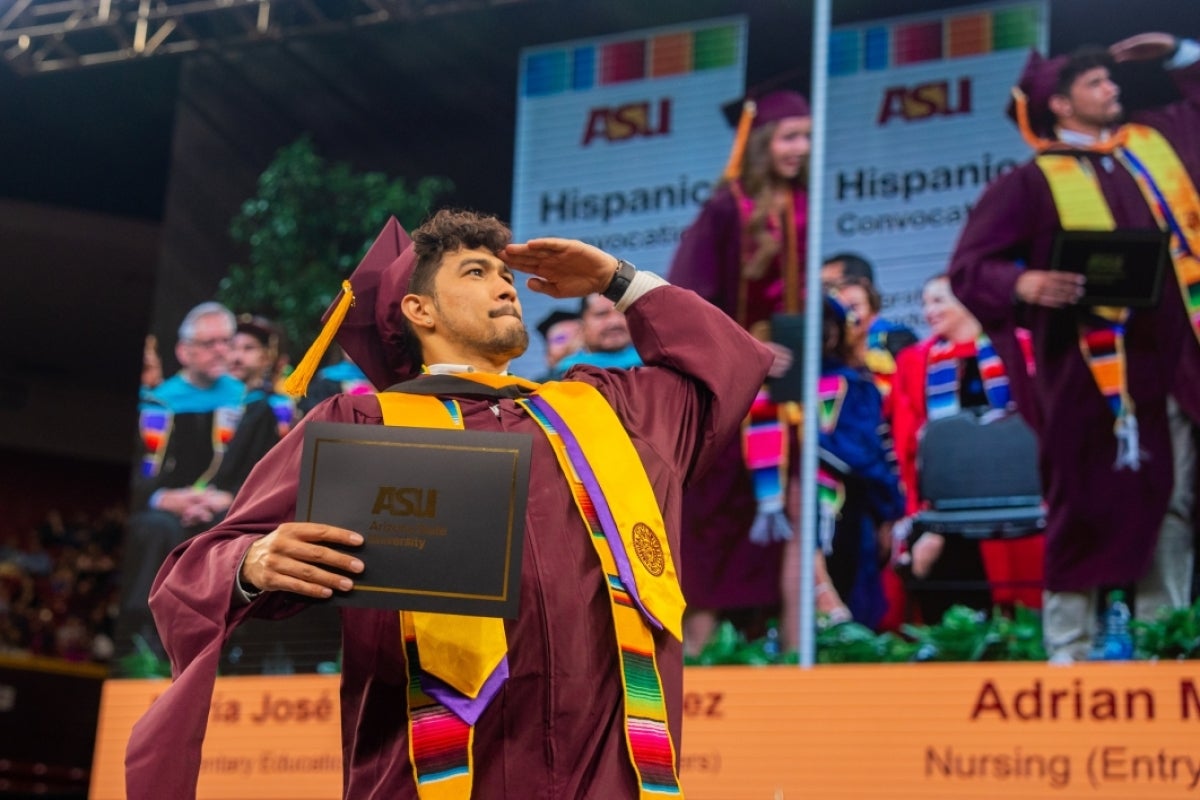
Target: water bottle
x: 1118, y: 641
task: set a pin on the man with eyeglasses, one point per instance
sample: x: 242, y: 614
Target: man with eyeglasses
x: 203, y: 382
x: 185, y: 426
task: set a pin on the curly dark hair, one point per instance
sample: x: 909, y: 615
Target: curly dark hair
x: 1083, y: 60
x: 447, y: 231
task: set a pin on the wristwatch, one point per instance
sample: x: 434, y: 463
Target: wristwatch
x: 620, y: 280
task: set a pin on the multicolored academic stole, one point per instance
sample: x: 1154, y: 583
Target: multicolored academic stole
x: 765, y: 451
x: 462, y: 652
x: 1172, y: 198
x: 1171, y: 194
x: 831, y: 489
x: 651, y: 750
x: 224, y: 426
x: 942, y: 376
x: 154, y: 426
x: 623, y: 521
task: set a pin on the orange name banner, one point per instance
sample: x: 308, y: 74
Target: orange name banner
x: 959, y: 731
x: 274, y: 737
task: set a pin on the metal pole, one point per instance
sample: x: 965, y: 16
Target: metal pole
x: 806, y: 636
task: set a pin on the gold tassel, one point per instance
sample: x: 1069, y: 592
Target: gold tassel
x: 1021, y: 103
x: 1040, y: 145
x: 297, y: 383
x: 733, y: 170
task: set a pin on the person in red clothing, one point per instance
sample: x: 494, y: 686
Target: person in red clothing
x: 955, y: 368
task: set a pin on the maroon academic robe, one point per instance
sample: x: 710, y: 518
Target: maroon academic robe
x: 1103, y: 523
x: 722, y: 567
x: 555, y: 730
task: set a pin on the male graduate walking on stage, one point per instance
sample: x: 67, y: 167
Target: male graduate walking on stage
x: 1117, y: 453
x: 581, y: 695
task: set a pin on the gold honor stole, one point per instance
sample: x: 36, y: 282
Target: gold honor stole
x: 1171, y: 195
x: 617, y: 504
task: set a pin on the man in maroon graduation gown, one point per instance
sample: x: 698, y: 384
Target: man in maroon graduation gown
x: 1105, y: 520
x: 556, y: 727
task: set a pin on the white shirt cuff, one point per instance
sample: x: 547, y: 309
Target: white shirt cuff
x: 642, y: 282
x: 1188, y: 53
x: 240, y: 592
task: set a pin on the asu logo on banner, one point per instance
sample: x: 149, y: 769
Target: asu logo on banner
x: 627, y: 121
x: 619, y: 138
x: 926, y: 100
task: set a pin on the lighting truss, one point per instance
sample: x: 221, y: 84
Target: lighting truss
x: 52, y: 35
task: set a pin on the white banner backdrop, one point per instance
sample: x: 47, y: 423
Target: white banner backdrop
x: 916, y: 130
x: 620, y: 140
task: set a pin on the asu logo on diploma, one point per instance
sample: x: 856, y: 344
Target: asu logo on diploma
x: 649, y: 550
x: 406, y: 501
x: 441, y: 512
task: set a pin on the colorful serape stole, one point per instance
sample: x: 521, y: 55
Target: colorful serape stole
x: 941, y: 380
x: 942, y: 376
x: 1169, y: 191
x: 1102, y: 342
x: 831, y: 490
x: 439, y: 741
x: 831, y: 394
x: 831, y: 498
x: 224, y: 426
x: 765, y: 450
x: 646, y: 733
x: 154, y: 426
x: 284, y: 410
x: 991, y: 370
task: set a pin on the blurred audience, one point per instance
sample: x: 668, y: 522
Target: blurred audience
x: 562, y: 334
x: 59, y: 587
x: 605, y: 334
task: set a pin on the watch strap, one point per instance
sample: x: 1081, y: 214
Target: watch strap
x: 620, y: 281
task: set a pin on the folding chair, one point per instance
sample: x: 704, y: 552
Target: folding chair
x: 978, y: 477
x: 978, y: 472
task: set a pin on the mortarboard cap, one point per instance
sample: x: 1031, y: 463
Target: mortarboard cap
x: 366, y: 318
x: 769, y: 107
x: 1037, y: 84
x: 261, y: 328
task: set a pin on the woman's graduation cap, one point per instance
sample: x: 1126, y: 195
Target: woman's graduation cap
x: 767, y: 102
x: 366, y: 318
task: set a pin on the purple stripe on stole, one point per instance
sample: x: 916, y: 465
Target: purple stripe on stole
x: 467, y: 709
x: 607, y: 523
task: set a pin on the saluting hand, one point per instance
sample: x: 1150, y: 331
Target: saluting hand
x: 292, y: 558
x: 1143, y: 47
x: 562, y: 267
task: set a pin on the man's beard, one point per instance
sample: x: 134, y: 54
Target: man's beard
x: 508, y: 343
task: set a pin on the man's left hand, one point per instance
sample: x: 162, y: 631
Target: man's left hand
x: 1144, y: 47
x: 562, y: 267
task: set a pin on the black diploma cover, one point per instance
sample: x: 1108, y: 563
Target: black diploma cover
x: 788, y: 330
x: 441, y: 512
x: 1121, y: 267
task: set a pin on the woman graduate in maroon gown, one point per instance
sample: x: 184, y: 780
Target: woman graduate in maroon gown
x: 744, y: 254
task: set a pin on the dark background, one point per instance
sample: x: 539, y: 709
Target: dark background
x: 119, y: 182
